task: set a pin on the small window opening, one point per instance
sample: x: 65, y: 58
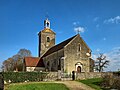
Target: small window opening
x: 48, y: 39
x: 47, y: 24
x: 79, y: 47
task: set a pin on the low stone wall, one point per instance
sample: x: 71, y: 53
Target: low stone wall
x: 51, y: 76
x: 89, y: 75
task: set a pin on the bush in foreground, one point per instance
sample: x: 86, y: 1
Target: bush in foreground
x: 15, y: 77
x: 111, y: 82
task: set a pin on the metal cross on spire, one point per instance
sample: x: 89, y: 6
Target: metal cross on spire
x: 78, y: 31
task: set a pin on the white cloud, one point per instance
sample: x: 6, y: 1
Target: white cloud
x: 98, y: 50
x: 95, y: 19
x: 104, y: 39
x: 115, y: 20
x: 76, y: 23
x: 94, y: 56
x: 113, y: 56
x: 79, y: 29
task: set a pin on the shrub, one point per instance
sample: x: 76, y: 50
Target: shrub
x: 106, y: 81
x: 112, y: 82
x: 1, y: 82
x: 116, y: 84
x: 116, y: 73
x: 15, y: 77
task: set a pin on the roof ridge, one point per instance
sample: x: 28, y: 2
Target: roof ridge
x: 67, y: 39
x: 31, y: 57
x: 72, y: 39
x: 58, y: 46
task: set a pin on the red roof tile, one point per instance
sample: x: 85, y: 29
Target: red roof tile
x: 33, y: 62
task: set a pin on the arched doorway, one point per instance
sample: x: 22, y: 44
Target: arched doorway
x: 78, y: 69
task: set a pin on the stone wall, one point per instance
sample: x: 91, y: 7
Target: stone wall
x: 44, y: 45
x: 89, y: 75
x: 71, y: 58
x: 75, y: 53
x: 53, y: 61
x: 52, y: 76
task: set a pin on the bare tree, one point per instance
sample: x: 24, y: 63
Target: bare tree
x: 18, y: 58
x: 16, y: 61
x: 24, y: 52
x: 8, y: 65
x: 101, y: 62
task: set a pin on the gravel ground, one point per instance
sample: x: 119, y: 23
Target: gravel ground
x: 74, y: 85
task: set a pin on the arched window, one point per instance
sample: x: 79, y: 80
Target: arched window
x: 79, y: 47
x: 47, y: 24
x: 48, y: 39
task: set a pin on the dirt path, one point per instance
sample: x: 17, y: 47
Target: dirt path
x: 74, y: 85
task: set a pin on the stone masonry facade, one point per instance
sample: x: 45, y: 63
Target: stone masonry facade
x: 70, y: 55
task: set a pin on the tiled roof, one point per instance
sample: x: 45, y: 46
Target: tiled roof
x: 33, y: 62
x: 58, y: 46
x: 40, y: 63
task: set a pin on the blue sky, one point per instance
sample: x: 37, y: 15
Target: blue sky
x: 98, y: 21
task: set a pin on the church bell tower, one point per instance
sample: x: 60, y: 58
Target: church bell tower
x: 46, y: 38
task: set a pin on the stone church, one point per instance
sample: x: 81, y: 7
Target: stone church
x: 70, y: 55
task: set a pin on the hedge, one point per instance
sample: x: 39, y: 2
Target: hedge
x: 1, y: 82
x: 15, y: 77
x: 116, y: 73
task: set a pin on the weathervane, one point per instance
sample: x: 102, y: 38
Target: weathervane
x: 78, y: 31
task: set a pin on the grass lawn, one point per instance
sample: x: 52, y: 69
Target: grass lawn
x: 37, y: 86
x: 94, y: 83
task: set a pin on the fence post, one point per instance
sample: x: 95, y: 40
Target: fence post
x: 59, y: 74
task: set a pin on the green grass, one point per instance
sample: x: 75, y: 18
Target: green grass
x: 94, y: 83
x: 37, y: 86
